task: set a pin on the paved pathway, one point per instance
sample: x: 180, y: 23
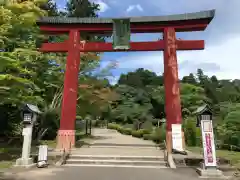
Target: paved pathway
x: 109, y: 173
x: 107, y: 136
x: 110, y: 142
x: 127, y: 145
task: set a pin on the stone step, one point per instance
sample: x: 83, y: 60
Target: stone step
x: 116, y: 162
x: 117, y: 157
x: 122, y: 145
x: 122, y: 151
x: 115, y: 166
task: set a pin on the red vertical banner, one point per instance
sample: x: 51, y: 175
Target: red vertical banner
x: 208, y: 143
x: 209, y: 148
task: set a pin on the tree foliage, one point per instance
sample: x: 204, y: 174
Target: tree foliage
x: 29, y: 76
x: 196, y: 90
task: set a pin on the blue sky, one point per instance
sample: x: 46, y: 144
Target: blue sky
x: 222, y: 38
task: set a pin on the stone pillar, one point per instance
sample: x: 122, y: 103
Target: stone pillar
x: 66, y: 133
x: 171, y: 83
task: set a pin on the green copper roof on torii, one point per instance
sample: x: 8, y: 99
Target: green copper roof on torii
x: 145, y: 19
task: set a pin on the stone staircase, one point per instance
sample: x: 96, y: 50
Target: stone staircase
x: 116, y: 161
x: 112, y: 149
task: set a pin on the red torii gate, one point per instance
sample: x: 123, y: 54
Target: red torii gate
x: 168, y: 25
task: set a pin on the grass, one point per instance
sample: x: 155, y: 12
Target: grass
x: 8, y: 155
x: 6, y: 164
x: 10, y: 152
x: 232, y: 156
x: 50, y: 143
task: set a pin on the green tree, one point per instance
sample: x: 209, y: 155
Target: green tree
x: 81, y: 8
x: 141, y: 78
x: 133, y: 106
x: 28, y: 76
x: 50, y: 7
x: 20, y: 57
x: 229, y: 130
x: 191, y: 98
x: 190, y: 79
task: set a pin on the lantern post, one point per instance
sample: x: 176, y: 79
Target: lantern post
x: 29, y: 114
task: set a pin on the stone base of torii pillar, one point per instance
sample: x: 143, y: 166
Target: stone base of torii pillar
x: 65, y: 140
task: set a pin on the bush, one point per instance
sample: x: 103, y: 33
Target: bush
x: 128, y: 126
x: 120, y: 129
x: 127, y: 131
x: 229, y: 131
x: 159, y: 134
x: 141, y: 132
x: 78, y: 118
x: 50, y: 119
x: 155, y: 138
x: 145, y: 131
x: 198, y: 137
x: 113, y: 126
x: 147, y: 137
x: 137, y: 133
x: 190, y: 132
x: 147, y: 125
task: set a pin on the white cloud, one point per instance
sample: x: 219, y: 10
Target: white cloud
x: 222, y: 38
x: 139, y: 7
x: 133, y: 7
x: 222, y: 60
x: 130, y: 8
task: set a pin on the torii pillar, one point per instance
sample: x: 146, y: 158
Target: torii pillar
x: 66, y: 133
x: 171, y: 84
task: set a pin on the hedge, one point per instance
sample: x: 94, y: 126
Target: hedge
x: 158, y: 135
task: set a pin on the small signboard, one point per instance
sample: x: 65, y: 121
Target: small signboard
x: 209, y: 151
x: 121, y: 33
x: 177, y: 137
x: 42, y: 154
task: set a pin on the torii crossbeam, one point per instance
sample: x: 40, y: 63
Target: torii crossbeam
x: 135, y: 46
x: 168, y: 25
